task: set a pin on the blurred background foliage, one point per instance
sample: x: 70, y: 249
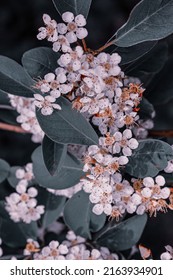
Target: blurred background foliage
x: 19, y: 22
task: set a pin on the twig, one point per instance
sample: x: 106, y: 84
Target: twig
x: 161, y: 133
x: 104, y: 47
x: 12, y: 128
x: 84, y: 45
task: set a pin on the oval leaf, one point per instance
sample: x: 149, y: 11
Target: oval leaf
x: 67, y: 125
x: 53, y: 206
x: 75, y: 6
x: 40, y: 61
x: 149, y: 158
x: 14, y: 79
x: 133, y: 53
x: 16, y: 234
x: 149, y: 21
x: 79, y: 217
x: 4, y: 170
x: 54, y: 155
x: 149, y: 63
x: 124, y: 235
x: 68, y: 176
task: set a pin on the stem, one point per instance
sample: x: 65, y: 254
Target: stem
x: 84, y: 45
x: 161, y: 133
x: 12, y: 128
x: 104, y: 47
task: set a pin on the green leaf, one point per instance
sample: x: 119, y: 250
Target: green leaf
x: 4, y: 170
x: 133, y: 53
x: 149, y: 63
x: 67, y: 125
x: 54, y: 155
x: 149, y: 158
x: 53, y: 206
x: 15, y: 234
x: 68, y: 176
x: 40, y: 61
x: 75, y: 6
x: 14, y: 79
x: 79, y: 217
x: 96, y: 221
x: 150, y: 20
x: 161, y: 89
x: 4, y: 99
x: 13, y: 181
x: 124, y: 235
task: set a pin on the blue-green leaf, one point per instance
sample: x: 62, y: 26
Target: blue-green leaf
x: 149, y: 158
x: 67, y: 125
x: 54, y: 155
x: 133, y: 53
x: 4, y: 170
x: 40, y: 61
x: 150, y: 20
x: 68, y: 176
x: 79, y: 217
x: 16, y: 234
x: 54, y: 205
x: 75, y: 6
x: 14, y: 79
x: 124, y: 235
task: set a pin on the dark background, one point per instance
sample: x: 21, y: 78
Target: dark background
x: 19, y: 22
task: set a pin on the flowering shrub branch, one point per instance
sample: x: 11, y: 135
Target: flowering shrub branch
x: 95, y: 162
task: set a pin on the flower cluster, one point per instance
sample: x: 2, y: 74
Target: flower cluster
x: 114, y: 195
x: 63, y: 34
x: 22, y: 204
x: 27, y: 118
x: 96, y: 86
x: 73, y: 248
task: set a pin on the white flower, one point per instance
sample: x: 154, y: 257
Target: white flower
x: 46, y: 104
x: 22, y: 204
x: 148, y: 182
x: 61, y: 44
x: 160, y: 180
x: 31, y: 247
x: 166, y: 256
x: 169, y: 167
x: 75, y: 27
x: 54, y: 251
x: 146, y: 192
x: 50, y: 31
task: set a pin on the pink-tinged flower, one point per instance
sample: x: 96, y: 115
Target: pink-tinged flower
x: 75, y: 27
x: 49, y: 31
x: 46, y: 104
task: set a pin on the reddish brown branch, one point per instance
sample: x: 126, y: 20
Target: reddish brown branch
x: 161, y: 133
x: 13, y: 128
x: 84, y: 45
x: 104, y: 47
